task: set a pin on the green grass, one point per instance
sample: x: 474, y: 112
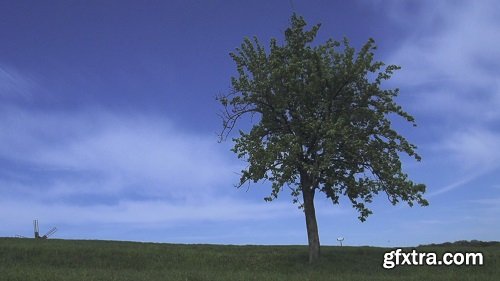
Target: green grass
x: 67, y: 260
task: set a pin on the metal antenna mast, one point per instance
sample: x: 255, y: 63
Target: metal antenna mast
x: 35, y: 227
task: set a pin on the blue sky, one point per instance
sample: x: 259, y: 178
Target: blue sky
x: 108, y: 120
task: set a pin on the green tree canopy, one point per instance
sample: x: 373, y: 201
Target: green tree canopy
x: 323, y: 123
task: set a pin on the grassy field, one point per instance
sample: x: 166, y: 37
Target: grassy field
x: 67, y: 260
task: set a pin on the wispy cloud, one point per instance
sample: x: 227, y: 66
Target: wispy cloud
x: 454, y: 59
x: 473, y: 148
x: 110, y: 153
x: 14, y: 85
x: 451, y: 67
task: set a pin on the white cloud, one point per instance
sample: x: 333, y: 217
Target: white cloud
x: 451, y: 68
x: 122, y: 151
x: 471, y: 153
x: 473, y: 149
x: 453, y: 54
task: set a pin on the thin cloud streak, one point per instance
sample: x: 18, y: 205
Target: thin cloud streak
x: 455, y: 185
x: 14, y: 85
x: 143, y: 212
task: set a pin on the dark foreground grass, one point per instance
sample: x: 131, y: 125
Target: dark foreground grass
x: 68, y: 260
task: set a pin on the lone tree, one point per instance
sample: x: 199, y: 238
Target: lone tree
x: 322, y: 123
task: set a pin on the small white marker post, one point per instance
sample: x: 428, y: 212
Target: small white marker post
x: 340, y: 239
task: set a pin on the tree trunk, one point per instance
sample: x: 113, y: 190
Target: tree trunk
x: 311, y: 225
